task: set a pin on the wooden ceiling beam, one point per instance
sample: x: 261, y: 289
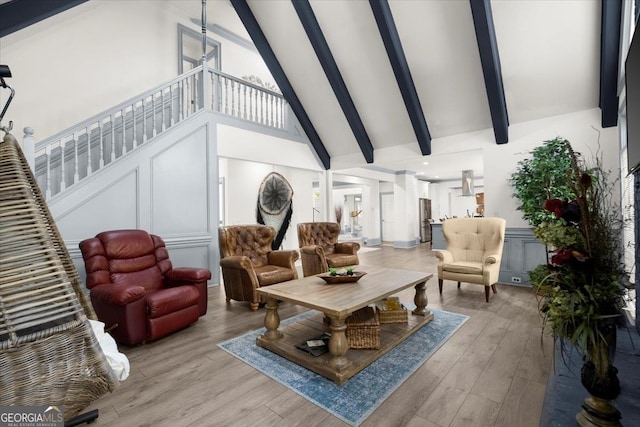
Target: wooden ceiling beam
x: 490, y: 60
x: 609, y: 60
x: 320, y: 46
x: 270, y: 59
x: 391, y: 39
x: 18, y: 14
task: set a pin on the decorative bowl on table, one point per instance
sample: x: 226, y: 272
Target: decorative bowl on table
x: 341, y: 277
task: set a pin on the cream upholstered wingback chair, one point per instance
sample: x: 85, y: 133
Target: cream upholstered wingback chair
x: 474, y: 251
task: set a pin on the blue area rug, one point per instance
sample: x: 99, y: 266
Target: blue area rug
x: 354, y: 401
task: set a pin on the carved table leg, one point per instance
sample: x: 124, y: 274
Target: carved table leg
x: 420, y: 300
x: 338, y: 345
x: 272, y: 321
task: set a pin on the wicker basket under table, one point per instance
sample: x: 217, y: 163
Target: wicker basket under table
x: 363, y: 329
x: 391, y: 316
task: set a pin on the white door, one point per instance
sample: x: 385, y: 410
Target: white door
x: 387, y: 217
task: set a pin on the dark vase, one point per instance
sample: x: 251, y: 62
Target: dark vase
x: 596, y: 409
x: 607, y: 388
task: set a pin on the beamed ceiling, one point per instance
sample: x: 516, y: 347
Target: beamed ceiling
x: 390, y: 84
x: 385, y: 83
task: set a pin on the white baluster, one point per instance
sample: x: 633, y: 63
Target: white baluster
x: 144, y: 120
x: 171, y: 104
x: 47, y: 153
x: 134, y: 142
x: 244, y: 101
x: 162, y: 110
x: 88, y: 150
x: 123, y: 116
x: 253, y: 99
x: 153, y: 114
x: 261, y: 119
x: 76, y: 174
x: 237, y: 102
x: 213, y: 96
x: 63, y: 184
x: 272, y: 121
x: 101, y: 143
x: 113, y: 138
x: 219, y: 93
x: 29, y: 148
x: 181, y: 100
x: 239, y: 99
x: 226, y: 96
x: 192, y: 95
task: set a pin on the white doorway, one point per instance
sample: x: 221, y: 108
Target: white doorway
x: 387, y: 217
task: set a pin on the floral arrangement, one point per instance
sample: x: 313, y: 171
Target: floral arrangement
x: 349, y: 271
x: 580, y: 287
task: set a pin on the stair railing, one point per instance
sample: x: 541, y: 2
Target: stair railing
x: 244, y: 100
x: 75, y: 153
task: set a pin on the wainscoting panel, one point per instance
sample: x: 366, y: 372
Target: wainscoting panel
x: 115, y: 206
x: 522, y: 253
x: 179, y: 186
x: 195, y: 256
x: 167, y: 187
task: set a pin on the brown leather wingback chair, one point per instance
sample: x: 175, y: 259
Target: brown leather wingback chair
x: 248, y: 262
x: 320, y: 249
x: 135, y: 288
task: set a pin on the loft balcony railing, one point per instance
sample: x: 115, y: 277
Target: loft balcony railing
x: 238, y: 98
x: 72, y: 155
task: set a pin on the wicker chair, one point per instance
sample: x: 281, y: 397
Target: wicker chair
x: 48, y: 352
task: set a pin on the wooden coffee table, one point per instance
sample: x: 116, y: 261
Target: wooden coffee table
x: 338, y: 302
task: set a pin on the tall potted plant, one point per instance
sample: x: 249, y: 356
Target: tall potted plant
x: 540, y: 177
x: 580, y: 288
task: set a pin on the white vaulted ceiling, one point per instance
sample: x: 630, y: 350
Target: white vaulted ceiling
x: 549, y: 62
x: 549, y: 54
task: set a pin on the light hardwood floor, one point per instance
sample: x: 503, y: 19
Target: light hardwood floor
x: 492, y: 372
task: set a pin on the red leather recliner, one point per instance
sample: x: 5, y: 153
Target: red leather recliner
x: 134, y: 286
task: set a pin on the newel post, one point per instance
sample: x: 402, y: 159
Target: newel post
x: 206, y: 96
x: 29, y: 148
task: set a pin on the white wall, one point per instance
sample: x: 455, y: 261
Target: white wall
x: 422, y: 188
x: 237, y: 143
x: 94, y: 56
x: 243, y: 179
x: 75, y: 64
